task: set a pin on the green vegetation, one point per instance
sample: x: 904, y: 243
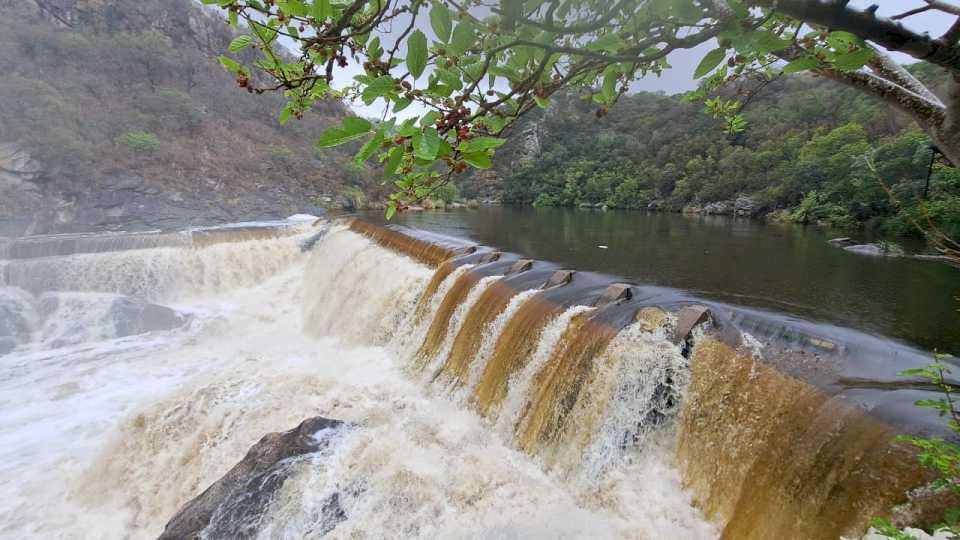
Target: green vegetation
x: 480, y: 70
x: 801, y: 160
x: 135, y: 89
x: 935, y: 454
x: 139, y: 141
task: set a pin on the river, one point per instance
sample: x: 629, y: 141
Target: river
x: 780, y: 267
x: 484, y: 396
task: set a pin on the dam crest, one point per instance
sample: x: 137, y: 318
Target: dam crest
x: 774, y: 427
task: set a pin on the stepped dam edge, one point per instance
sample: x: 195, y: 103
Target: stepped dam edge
x: 464, y: 392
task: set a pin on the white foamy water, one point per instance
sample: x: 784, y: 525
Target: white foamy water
x: 108, y: 437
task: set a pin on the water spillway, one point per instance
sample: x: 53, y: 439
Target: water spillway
x: 785, y: 428
x: 489, y: 396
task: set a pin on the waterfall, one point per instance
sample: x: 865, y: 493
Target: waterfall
x: 486, y: 395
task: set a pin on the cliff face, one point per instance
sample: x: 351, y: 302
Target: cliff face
x: 116, y: 115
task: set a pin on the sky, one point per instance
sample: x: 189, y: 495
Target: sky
x: 680, y: 77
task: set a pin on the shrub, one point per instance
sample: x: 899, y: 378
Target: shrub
x: 356, y: 199
x: 139, y: 141
x: 447, y: 193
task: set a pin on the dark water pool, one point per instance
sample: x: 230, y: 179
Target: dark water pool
x: 784, y: 268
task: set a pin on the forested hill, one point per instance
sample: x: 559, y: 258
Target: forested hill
x: 115, y: 114
x: 799, y: 158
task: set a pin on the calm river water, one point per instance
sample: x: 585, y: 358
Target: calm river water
x: 784, y: 268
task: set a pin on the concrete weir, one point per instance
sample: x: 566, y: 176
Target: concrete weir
x: 785, y: 428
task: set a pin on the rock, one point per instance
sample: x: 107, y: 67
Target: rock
x: 70, y: 318
x: 719, y: 208
x: 134, y: 317
x: 687, y: 319
x: 744, y: 206
x: 521, y: 266
x: 559, y: 278
x: 841, y: 242
x: 939, y: 258
x: 125, y: 181
x: 872, y: 250
x: 17, y: 167
x: 232, y: 507
x: 18, y: 317
x: 615, y: 293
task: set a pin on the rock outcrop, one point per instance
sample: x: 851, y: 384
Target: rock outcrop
x: 234, y: 506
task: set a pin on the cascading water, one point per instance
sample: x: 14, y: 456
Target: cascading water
x: 482, y: 399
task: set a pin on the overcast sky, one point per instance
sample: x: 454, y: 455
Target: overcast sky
x: 680, y: 77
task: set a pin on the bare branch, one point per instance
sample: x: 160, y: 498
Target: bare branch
x: 886, y: 67
x: 926, y: 112
x: 944, y: 6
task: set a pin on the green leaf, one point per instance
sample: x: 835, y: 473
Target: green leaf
x: 294, y: 8
x: 417, y: 54
x: 479, y: 160
x: 233, y: 18
x: 853, y: 61
x: 240, y: 43
x: 394, y: 158
x: 429, y: 119
x: 355, y: 124
x: 480, y: 144
x: 285, y: 115
x: 609, y: 88
x: 463, y: 38
x: 709, y: 62
x: 426, y: 144
x: 368, y: 149
x: 322, y: 10
x: 231, y: 65
x: 380, y: 87
x: 801, y: 64
x: 401, y: 104
x: 841, y: 40
x: 441, y: 22
x: 391, y: 210
x: 353, y: 128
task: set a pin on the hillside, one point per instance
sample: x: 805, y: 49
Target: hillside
x: 800, y: 158
x: 116, y: 115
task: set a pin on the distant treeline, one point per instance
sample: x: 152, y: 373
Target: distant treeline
x: 802, y: 158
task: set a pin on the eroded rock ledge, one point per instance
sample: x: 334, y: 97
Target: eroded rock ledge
x: 233, y: 507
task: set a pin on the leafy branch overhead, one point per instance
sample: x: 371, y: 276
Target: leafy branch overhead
x: 475, y: 66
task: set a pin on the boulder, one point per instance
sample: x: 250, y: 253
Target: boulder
x: 17, y: 317
x: 70, y: 318
x: 719, y: 208
x: 744, y: 206
x: 133, y: 317
x: 232, y: 507
x: 872, y: 250
x: 841, y: 242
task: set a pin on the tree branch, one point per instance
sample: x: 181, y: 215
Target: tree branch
x: 891, y: 35
x: 926, y: 112
x: 885, y: 67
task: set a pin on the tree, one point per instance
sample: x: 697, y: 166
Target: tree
x: 487, y: 62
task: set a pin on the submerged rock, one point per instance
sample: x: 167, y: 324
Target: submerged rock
x: 841, y: 242
x: 70, y: 318
x: 234, y: 506
x: 872, y: 250
x: 17, y: 317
